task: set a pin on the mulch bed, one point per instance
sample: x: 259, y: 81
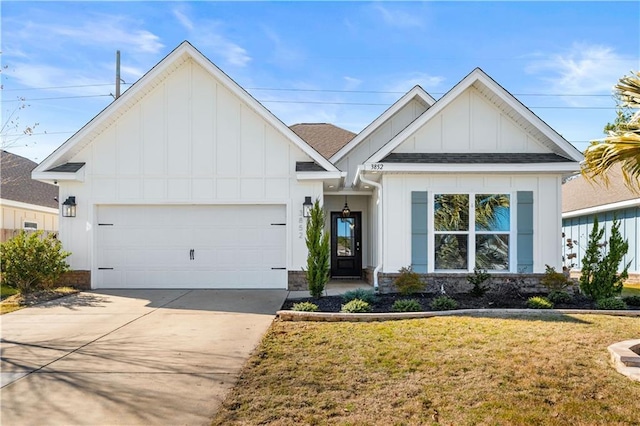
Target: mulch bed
x: 465, y: 301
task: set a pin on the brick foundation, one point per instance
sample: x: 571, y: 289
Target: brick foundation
x: 297, y: 281
x: 457, y: 283
x: 76, y: 279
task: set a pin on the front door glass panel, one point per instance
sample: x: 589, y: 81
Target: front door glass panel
x: 346, y: 237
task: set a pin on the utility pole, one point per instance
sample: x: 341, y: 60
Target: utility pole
x: 117, y: 74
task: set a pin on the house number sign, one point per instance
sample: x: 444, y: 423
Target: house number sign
x: 377, y: 166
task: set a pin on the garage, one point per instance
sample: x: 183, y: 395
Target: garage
x: 191, y: 246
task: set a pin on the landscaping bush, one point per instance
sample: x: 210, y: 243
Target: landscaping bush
x: 408, y: 282
x: 406, y: 305
x: 443, y: 303
x: 305, y: 307
x: 611, y: 303
x: 632, y: 300
x: 554, y: 280
x: 368, y: 296
x: 30, y: 261
x: 559, y: 296
x: 600, y: 278
x: 539, y: 303
x: 477, y: 279
x: 317, y: 241
x: 356, y: 306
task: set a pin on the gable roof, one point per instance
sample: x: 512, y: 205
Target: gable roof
x: 512, y: 107
x: 16, y: 183
x: 579, y: 193
x: 325, y: 138
x: 148, y: 82
x: 417, y: 93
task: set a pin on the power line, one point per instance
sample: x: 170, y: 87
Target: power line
x: 54, y: 98
x: 61, y: 87
x: 386, y: 104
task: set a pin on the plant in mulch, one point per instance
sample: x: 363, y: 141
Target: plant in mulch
x: 318, y: 252
x: 356, y: 306
x: 443, y: 303
x: 554, y: 280
x: 611, y: 304
x: 367, y: 295
x: 305, y: 307
x: 559, y: 296
x: 477, y: 279
x: 538, y: 302
x: 632, y: 300
x: 406, y: 305
x: 408, y: 282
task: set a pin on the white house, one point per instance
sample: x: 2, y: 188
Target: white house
x: 187, y: 181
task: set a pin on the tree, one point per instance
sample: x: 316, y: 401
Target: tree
x: 622, y: 146
x: 11, y: 131
x: 600, y: 278
x: 318, y: 251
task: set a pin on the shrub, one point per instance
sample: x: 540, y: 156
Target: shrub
x: 356, y: 306
x: 477, y: 279
x: 559, y: 296
x: 367, y: 295
x: 554, y: 280
x: 317, y: 240
x: 632, y: 300
x: 443, y: 303
x: 406, y: 305
x: 31, y: 262
x: 611, y: 303
x: 539, y: 303
x: 600, y: 278
x: 305, y: 307
x: 408, y: 282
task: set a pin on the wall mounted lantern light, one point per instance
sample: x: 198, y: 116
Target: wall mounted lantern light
x: 346, y: 212
x: 306, y: 207
x: 69, y: 207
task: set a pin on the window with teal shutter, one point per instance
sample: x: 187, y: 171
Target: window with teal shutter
x: 419, y: 236
x: 525, y: 231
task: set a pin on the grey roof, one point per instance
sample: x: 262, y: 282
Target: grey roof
x: 308, y: 166
x: 67, y: 168
x: 580, y: 193
x: 325, y: 138
x: 474, y: 158
x: 16, y: 183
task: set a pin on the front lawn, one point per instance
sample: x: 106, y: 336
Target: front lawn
x: 631, y: 290
x: 13, y: 300
x: 543, y: 370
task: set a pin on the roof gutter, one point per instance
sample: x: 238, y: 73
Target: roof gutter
x: 378, y: 186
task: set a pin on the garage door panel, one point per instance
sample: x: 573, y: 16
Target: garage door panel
x: 234, y: 246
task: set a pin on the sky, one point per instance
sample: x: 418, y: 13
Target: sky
x: 333, y: 62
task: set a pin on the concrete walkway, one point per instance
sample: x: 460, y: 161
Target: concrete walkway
x: 136, y: 357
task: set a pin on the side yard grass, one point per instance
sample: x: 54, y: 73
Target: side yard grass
x: 631, y: 290
x: 543, y: 370
x: 13, y: 300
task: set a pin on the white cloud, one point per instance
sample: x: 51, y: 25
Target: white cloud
x: 405, y: 83
x: 183, y: 19
x: 398, y: 18
x: 351, y: 83
x: 581, y: 69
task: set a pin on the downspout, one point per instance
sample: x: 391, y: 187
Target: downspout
x: 379, y: 203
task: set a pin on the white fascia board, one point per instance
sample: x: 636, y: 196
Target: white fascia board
x: 50, y: 177
x: 603, y: 208
x: 471, y: 168
x: 417, y: 91
x: 27, y: 206
x: 320, y: 175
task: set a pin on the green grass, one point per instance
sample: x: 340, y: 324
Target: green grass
x: 6, y: 291
x: 544, y: 370
x: 631, y: 290
x: 13, y: 300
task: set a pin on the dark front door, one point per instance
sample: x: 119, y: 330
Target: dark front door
x: 346, y: 250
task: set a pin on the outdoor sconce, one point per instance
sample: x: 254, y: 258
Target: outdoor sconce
x: 346, y: 212
x: 69, y: 207
x: 306, y: 207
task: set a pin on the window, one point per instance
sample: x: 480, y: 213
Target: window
x: 471, y: 229
x: 30, y: 226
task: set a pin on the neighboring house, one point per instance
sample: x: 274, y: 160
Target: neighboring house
x: 25, y: 204
x: 188, y: 181
x: 583, y: 200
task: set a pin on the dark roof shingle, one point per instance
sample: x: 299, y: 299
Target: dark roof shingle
x: 580, y: 193
x: 325, y: 138
x: 16, y: 183
x: 473, y: 158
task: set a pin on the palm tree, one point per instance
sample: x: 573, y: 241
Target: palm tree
x: 622, y: 146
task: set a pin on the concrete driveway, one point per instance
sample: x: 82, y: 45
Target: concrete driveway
x: 129, y: 357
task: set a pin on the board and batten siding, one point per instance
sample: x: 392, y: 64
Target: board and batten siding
x: 470, y: 123
x: 189, y: 140
x: 400, y: 231
x: 578, y: 229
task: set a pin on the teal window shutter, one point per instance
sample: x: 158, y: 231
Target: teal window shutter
x: 419, y: 231
x: 525, y: 231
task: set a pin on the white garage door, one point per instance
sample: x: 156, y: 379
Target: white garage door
x: 191, y: 247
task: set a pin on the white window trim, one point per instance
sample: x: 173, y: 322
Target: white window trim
x: 431, y: 232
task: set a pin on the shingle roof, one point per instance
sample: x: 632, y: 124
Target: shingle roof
x: 579, y: 193
x: 16, y: 183
x: 308, y: 166
x: 67, y: 168
x: 325, y: 138
x: 472, y: 158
